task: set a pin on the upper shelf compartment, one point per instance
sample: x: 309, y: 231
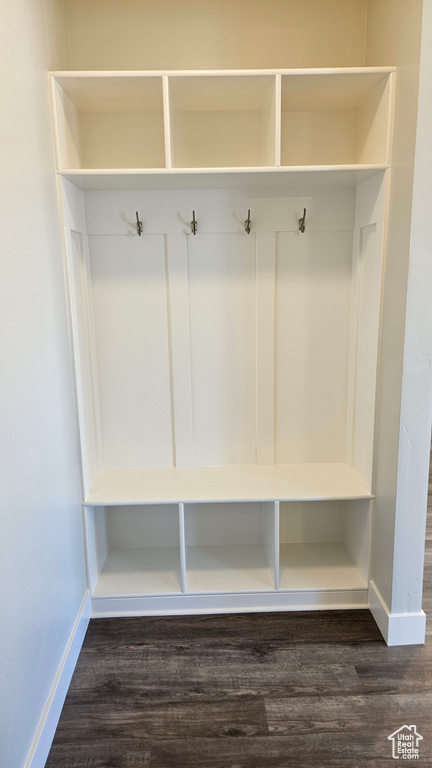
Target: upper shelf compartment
x: 223, y: 121
x: 160, y: 127
x: 109, y: 122
x: 338, y: 118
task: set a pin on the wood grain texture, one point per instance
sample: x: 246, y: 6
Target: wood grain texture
x: 314, y: 690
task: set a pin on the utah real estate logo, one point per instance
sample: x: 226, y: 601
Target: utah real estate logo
x: 405, y: 743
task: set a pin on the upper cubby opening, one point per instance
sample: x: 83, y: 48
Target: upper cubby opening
x: 335, y: 119
x: 110, y: 122
x: 226, y: 121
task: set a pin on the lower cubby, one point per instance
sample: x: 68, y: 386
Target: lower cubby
x: 324, y: 545
x: 134, y: 550
x: 265, y: 555
x: 230, y: 547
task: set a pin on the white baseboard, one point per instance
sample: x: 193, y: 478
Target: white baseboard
x: 42, y: 741
x: 396, y: 628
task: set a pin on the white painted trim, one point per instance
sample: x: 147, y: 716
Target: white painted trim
x: 217, y: 170
x: 246, y: 602
x: 182, y: 539
x: 42, y: 741
x: 180, y: 348
x: 167, y: 121
x: 221, y: 72
x: 277, y: 544
x: 396, y: 628
x: 54, y: 117
x: 278, y: 120
x: 391, y: 114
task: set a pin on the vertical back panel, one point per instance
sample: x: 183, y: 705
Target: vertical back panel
x: 152, y: 525
x: 313, y: 292
x: 223, y: 523
x: 131, y: 327
x: 221, y: 269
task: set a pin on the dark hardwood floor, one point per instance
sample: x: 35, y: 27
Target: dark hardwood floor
x: 245, y: 691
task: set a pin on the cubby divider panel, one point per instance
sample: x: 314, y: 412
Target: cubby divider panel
x: 230, y: 547
x: 138, y: 550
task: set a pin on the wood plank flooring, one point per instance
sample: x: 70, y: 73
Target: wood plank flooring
x: 267, y: 690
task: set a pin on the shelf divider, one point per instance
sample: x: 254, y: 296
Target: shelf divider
x: 270, y: 530
x: 278, y: 121
x: 167, y: 120
x: 182, y: 548
x: 277, y: 543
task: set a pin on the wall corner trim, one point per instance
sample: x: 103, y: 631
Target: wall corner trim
x: 396, y: 628
x: 45, y: 731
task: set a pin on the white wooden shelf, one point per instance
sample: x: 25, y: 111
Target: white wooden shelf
x: 219, y: 569
x: 227, y: 569
x: 83, y: 74
x: 147, y: 571
x: 321, y: 565
x: 291, y: 178
x: 141, y: 122
x: 285, y: 482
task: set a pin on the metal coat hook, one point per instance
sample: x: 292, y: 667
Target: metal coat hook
x: 139, y: 225
x: 302, y: 222
x: 194, y: 224
x: 248, y: 223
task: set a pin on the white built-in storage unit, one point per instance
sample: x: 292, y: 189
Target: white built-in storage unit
x: 236, y: 243
x: 226, y: 378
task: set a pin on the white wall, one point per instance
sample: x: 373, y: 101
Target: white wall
x: 393, y: 37
x: 42, y: 574
x: 216, y: 34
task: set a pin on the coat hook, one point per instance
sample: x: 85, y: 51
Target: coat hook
x: 139, y: 225
x: 248, y: 223
x: 302, y: 222
x: 194, y: 224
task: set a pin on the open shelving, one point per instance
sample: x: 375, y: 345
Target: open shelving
x: 108, y: 122
x: 226, y: 383
x: 222, y: 121
x: 230, y: 547
x: 297, y: 551
x: 335, y: 120
x: 138, y: 550
x: 324, y: 545
x: 121, y: 124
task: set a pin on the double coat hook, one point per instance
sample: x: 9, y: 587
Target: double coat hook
x: 248, y: 224
x: 194, y: 224
x: 302, y: 221
x: 139, y: 225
